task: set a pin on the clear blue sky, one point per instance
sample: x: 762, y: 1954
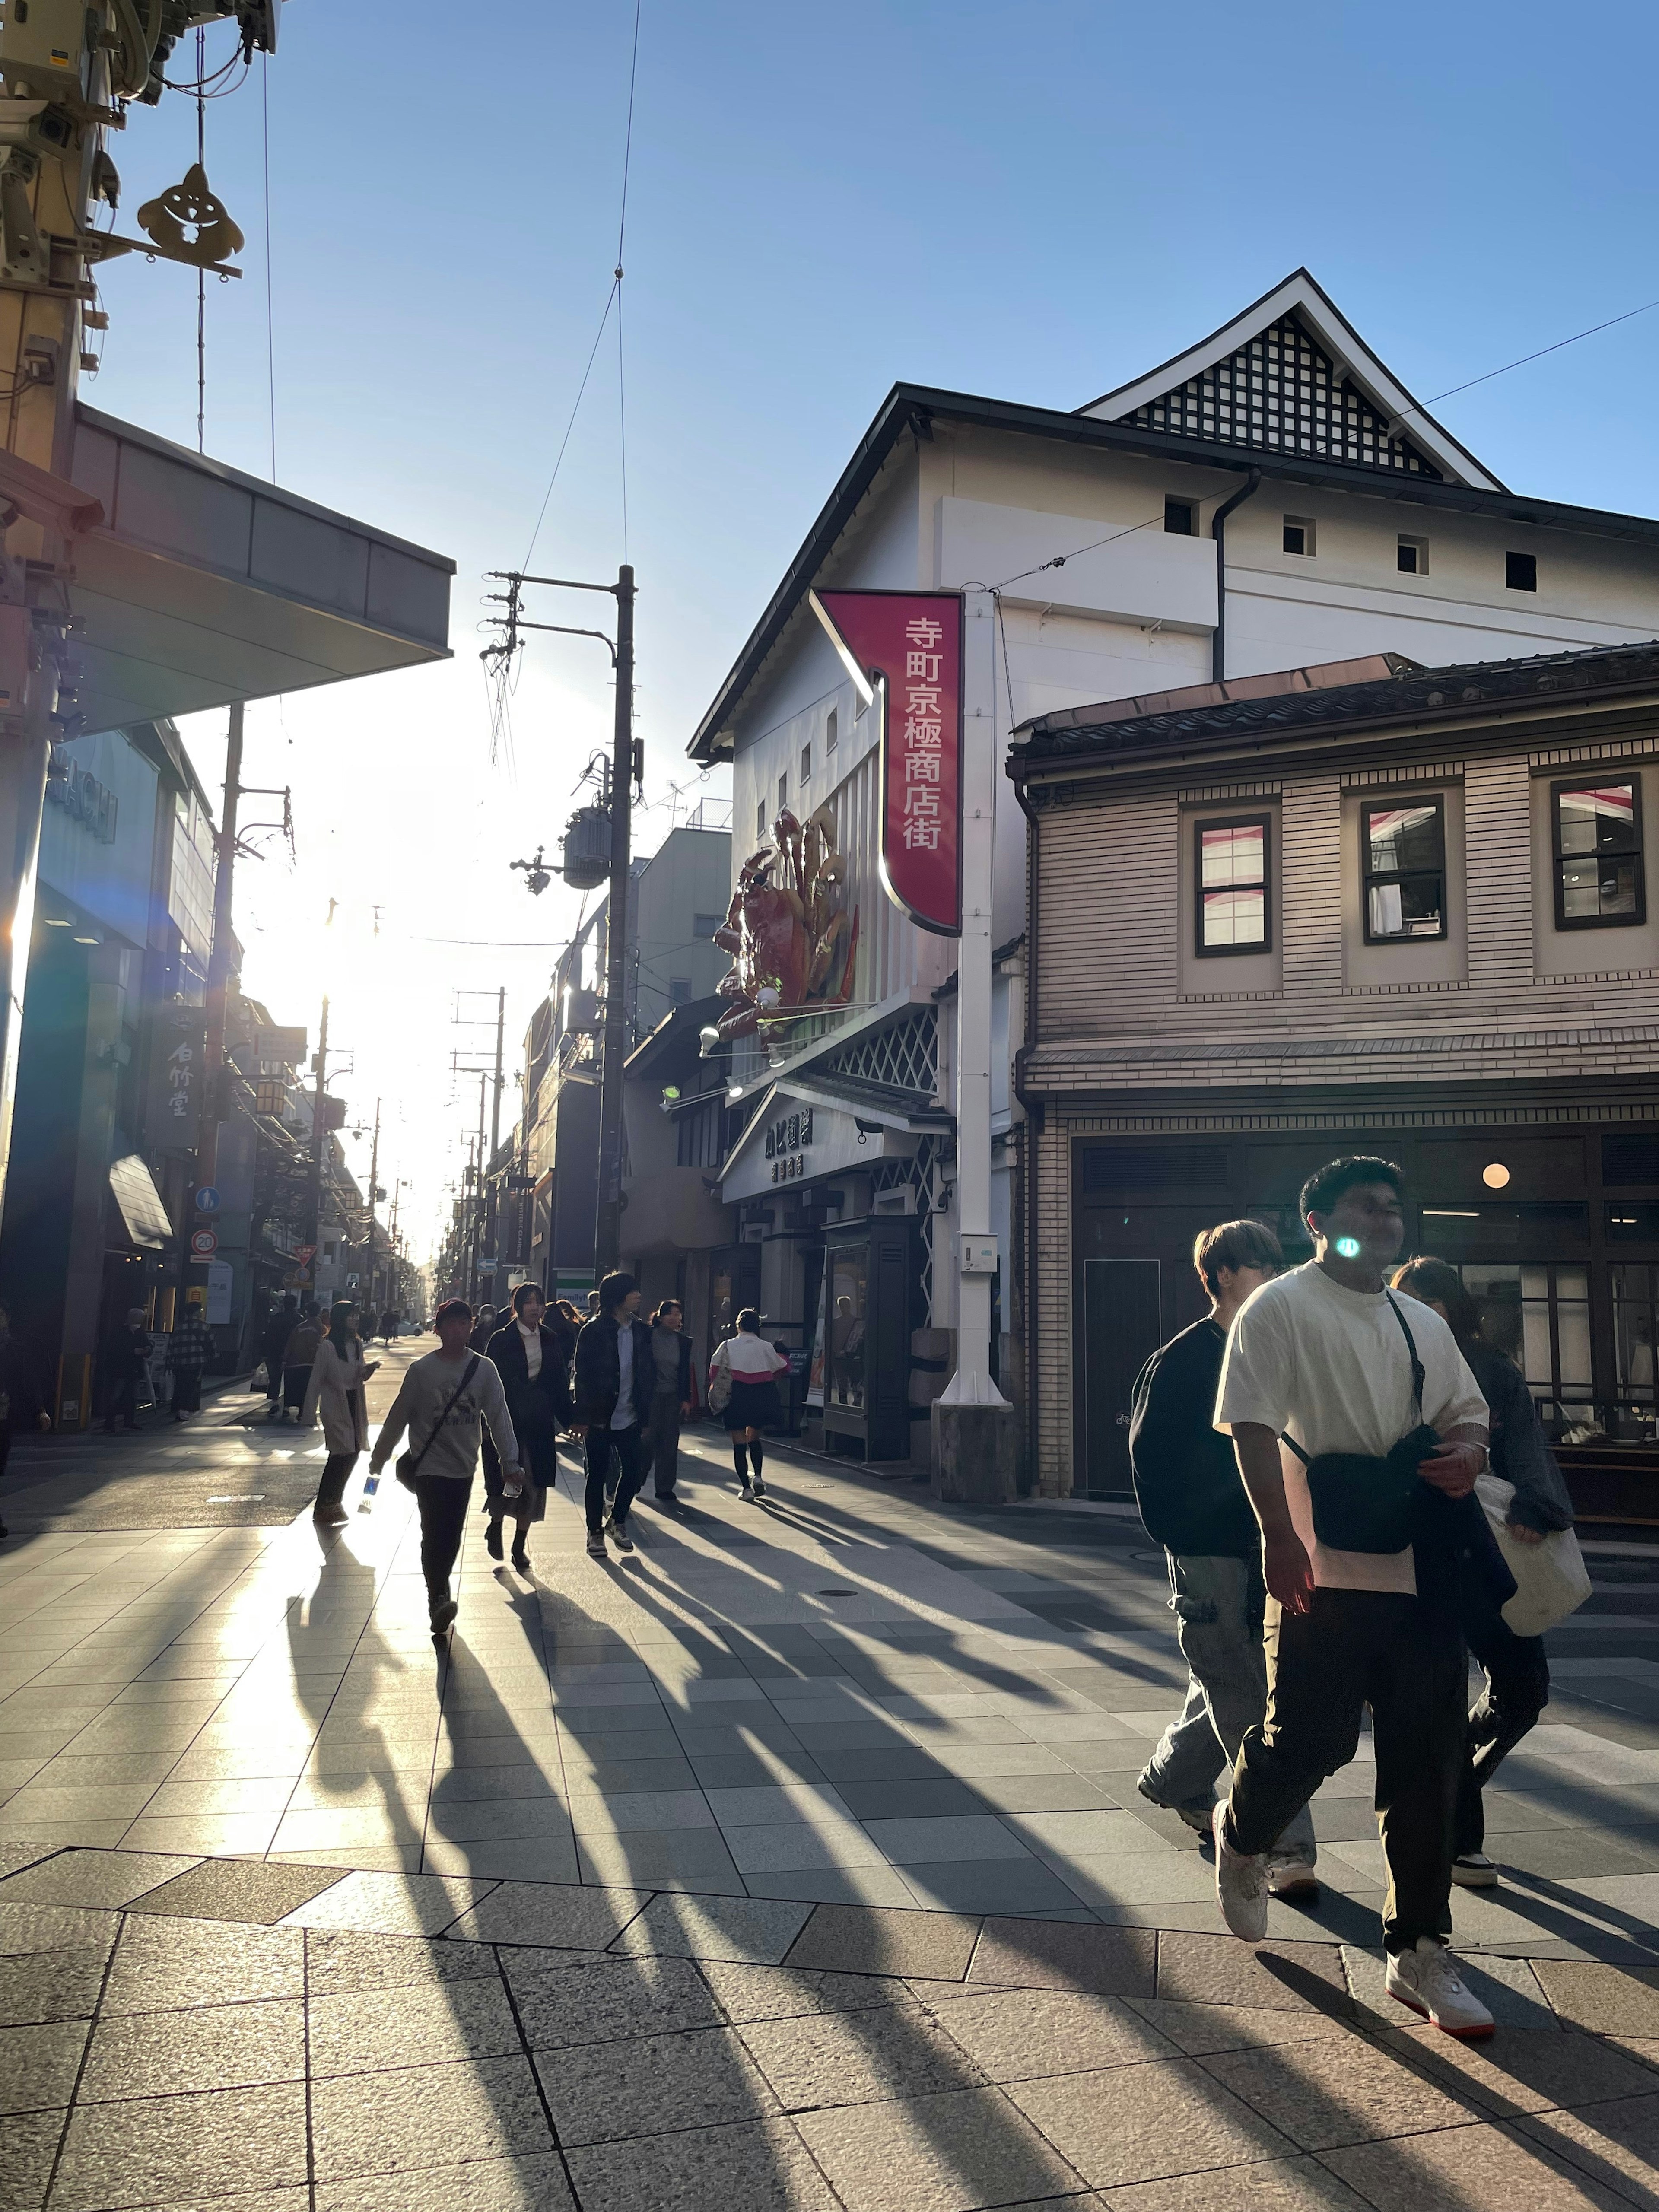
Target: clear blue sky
x: 1033, y: 202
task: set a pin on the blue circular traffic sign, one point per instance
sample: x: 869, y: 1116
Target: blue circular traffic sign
x: 207, y: 1200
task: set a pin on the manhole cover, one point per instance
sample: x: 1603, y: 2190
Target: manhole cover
x: 837, y: 1593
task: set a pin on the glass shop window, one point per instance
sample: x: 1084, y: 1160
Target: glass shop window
x: 848, y: 1281
x: 1635, y: 1335
x: 1599, y: 877
x: 1232, y: 861
x: 1403, y: 855
x: 1541, y: 1316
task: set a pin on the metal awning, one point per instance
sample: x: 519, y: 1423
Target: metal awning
x: 140, y: 1202
x: 203, y: 585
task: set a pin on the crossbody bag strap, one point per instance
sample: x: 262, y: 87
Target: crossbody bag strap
x: 1418, y: 1376
x: 472, y: 1370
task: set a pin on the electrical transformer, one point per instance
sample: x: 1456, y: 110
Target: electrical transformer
x: 586, y: 862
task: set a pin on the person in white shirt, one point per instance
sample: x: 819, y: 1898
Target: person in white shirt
x: 754, y: 1366
x: 1326, y: 1361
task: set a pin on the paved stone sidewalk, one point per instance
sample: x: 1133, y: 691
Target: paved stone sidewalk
x: 273, y: 2038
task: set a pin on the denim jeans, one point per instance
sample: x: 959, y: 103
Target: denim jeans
x: 1218, y: 1603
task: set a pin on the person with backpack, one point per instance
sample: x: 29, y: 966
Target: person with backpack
x: 1360, y: 1433
x: 444, y: 1399
x: 1192, y: 1503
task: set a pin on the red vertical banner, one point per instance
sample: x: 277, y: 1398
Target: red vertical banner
x: 903, y: 651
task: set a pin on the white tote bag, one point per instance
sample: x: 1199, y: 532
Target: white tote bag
x: 1551, y: 1578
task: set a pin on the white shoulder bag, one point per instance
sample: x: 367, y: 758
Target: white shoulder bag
x: 1551, y: 1578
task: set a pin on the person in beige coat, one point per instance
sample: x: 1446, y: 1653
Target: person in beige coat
x: 337, y: 1376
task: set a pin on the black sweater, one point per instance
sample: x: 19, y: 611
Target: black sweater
x: 1191, y: 1496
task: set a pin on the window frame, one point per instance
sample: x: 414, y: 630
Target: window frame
x: 1264, y: 822
x: 1172, y: 506
x: 1418, y: 550
x: 1563, y: 921
x: 805, y: 762
x: 1310, y: 529
x: 1388, y: 802
x: 1525, y: 561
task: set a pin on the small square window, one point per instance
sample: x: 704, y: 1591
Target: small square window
x: 1521, y: 571
x: 783, y: 792
x: 1178, y: 518
x: 806, y: 763
x: 831, y: 731
x: 1231, y: 862
x: 1600, y: 882
x: 1403, y: 866
x: 680, y: 990
x: 1299, y: 535
x: 1412, y: 556
x: 760, y: 820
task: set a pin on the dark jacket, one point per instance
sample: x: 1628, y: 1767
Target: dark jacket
x: 480, y: 1338
x: 300, y: 1349
x: 128, y: 1355
x: 599, y: 1372
x: 1191, y: 1495
x: 22, y: 1400
x: 1519, y: 1450
x: 543, y: 1403
x: 686, y: 1389
x: 279, y: 1327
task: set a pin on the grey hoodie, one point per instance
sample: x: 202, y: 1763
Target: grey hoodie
x: 419, y: 1407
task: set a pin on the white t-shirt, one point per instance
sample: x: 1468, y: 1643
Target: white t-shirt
x: 1330, y: 1366
x: 751, y: 1359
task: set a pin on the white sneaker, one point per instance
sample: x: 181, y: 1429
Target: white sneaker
x: 1292, y: 1878
x: 1427, y: 1980
x: 1241, y: 1884
x: 1474, y: 1871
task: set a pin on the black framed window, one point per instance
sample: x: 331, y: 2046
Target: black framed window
x: 1232, y: 862
x: 1178, y: 517
x: 1596, y: 827
x: 1403, y: 855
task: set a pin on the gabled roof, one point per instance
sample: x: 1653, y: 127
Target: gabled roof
x: 1290, y: 375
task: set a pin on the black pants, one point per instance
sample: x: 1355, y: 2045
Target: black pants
x: 628, y: 1446
x: 187, y: 1390
x: 1517, y: 1689
x: 443, y: 1503
x: 665, y: 1442
x: 1407, y: 1661
x: 123, y: 1403
x: 336, y: 1471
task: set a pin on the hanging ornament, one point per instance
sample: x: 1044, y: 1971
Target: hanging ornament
x: 191, y: 205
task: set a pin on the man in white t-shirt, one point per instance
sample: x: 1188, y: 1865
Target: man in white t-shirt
x: 1324, y: 1358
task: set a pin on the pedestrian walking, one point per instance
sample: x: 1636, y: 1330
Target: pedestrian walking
x: 1384, y: 1426
x: 187, y: 1356
x: 614, y: 1374
x: 22, y: 1403
x: 279, y: 1327
x: 529, y: 1357
x: 1516, y: 1667
x: 390, y: 1322
x: 1192, y: 1503
x: 743, y: 1389
x: 443, y: 1399
x: 479, y: 1339
x: 337, y: 1376
x: 673, y: 1397
x: 298, y: 1354
x: 127, y: 1365
x: 368, y: 1325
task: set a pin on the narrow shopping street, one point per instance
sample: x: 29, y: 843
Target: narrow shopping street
x: 795, y: 1860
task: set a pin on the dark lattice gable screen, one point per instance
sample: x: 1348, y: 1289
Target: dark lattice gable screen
x: 1282, y: 392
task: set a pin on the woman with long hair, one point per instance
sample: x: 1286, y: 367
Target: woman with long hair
x: 337, y: 1376
x: 754, y: 1367
x: 530, y: 1357
x: 1516, y: 1669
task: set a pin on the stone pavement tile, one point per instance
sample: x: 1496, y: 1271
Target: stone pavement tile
x: 340, y: 1959
x: 164, y: 1965
x: 1291, y: 2185
x: 1086, y: 1834
x: 39, y: 2065
x: 391, y: 1904
x: 785, y: 1846
x: 936, y: 1946
x: 565, y: 2003
x: 14, y: 1857
x: 747, y: 1993
x: 603, y: 1812
x: 1122, y: 1883
x: 907, y: 1762
x: 841, y: 1885
x: 982, y: 1836
x: 141, y: 2151
x: 1013, y: 2035
x: 28, y: 2144
x: 941, y: 1797
x: 1606, y: 2000
x: 228, y: 2046
x: 1338, y: 2091
x: 551, y: 1914
x: 359, y: 2031
x: 1220, y: 1970
x: 487, y: 2185
x: 1507, y: 1987
x: 858, y: 2058
x: 657, y: 1859
x: 762, y: 1805
x: 746, y: 1769
x: 1457, y: 2168
x: 1060, y: 1955
x: 969, y: 1761
x: 757, y: 2166
x: 415, y: 2117
x: 940, y: 2154
x: 1523, y: 2070
x: 1568, y: 1855
x: 239, y: 1889
x: 202, y: 1834
x: 662, y: 2083
x: 40, y: 1805
x: 1006, y: 1886
x: 475, y: 1784
x: 1200, y: 2029
x: 27, y: 1928
x: 51, y: 1985
x: 91, y: 1834
x: 106, y: 1879
x: 1145, y: 2123
x: 1616, y: 2142
x: 754, y: 1931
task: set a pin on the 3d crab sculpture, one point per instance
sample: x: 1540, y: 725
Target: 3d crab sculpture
x: 793, y: 943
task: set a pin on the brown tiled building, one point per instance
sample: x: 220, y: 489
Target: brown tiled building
x: 1367, y: 907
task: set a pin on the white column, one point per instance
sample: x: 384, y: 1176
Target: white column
x: 975, y: 1256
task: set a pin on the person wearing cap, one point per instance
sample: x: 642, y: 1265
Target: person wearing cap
x: 444, y: 1399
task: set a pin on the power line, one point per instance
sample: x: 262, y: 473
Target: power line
x: 622, y: 232
x: 1628, y: 316
x: 270, y: 328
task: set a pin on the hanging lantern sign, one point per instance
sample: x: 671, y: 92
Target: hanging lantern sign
x: 903, y: 652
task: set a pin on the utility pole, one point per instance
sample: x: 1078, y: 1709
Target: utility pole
x: 607, y: 1240
x: 373, y: 1174
x: 214, y: 1088
x: 472, y: 1291
x: 319, y: 1139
